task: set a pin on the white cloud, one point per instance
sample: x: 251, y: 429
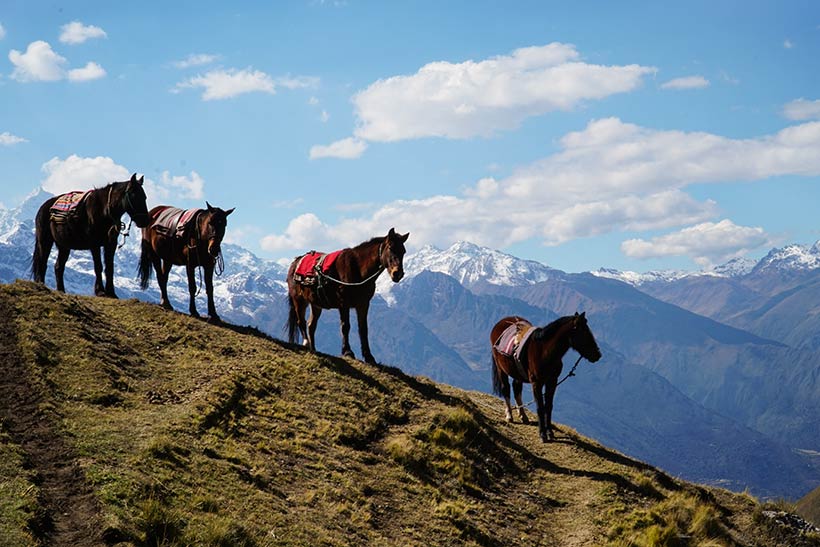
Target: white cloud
x: 687, y: 82
x: 38, y: 63
x: 801, y: 109
x: 324, y: 116
x: 190, y: 187
x: 707, y: 244
x: 7, y: 139
x: 91, y: 71
x: 2, y: 32
x: 788, y: 44
x: 313, y: 101
x: 227, y: 83
x: 76, y: 33
x: 349, y: 148
x: 462, y: 100
x: 609, y: 177
x: 78, y: 173
x: 196, y: 59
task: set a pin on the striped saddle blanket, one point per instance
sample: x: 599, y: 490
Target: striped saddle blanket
x: 172, y: 221
x: 67, y: 204
x: 311, y: 263
x: 513, y: 341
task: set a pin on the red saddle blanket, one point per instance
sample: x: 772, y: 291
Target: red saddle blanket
x: 68, y: 202
x: 172, y: 221
x: 313, y: 261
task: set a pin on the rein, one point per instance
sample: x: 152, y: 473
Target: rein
x: 320, y: 273
x: 219, y: 262
x: 118, y: 227
x: 571, y: 372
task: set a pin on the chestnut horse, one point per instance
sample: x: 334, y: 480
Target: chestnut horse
x: 95, y: 222
x: 350, y: 282
x: 540, y: 363
x: 197, y: 245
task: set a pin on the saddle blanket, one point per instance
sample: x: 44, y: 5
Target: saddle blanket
x: 513, y: 340
x: 68, y: 202
x: 172, y: 221
x: 312, y: 261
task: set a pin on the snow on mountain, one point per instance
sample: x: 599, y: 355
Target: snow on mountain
x: 791, y: 258
x: 636, y: 279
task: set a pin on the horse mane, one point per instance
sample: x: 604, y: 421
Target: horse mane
x: 371, y: 241
x: 547, y: 332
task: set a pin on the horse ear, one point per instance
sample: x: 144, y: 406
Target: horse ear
x: 209, y: 206
x: 391, y: 233
x: 141, y: 180
x: 404, y: 237
x: 576, y: 314
x: 583, y: 314
x: 229, y: 211
x: 134, y: 177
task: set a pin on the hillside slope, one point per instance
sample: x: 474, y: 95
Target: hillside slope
x: 126, y: 424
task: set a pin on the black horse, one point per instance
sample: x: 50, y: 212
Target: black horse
x: 539, y: 361
x: 93, y: 223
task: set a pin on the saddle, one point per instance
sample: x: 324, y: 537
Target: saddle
x: 311, y: 264
x: 66, y: 206
x: 172, y: 221
x: 512, y: 342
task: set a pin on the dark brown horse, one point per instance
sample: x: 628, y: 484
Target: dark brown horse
x: 195, y: 243
x: 95, y: 222
x: 350, y: 282
x: 539, y: 362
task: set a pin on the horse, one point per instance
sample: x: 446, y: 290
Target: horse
x: 349, y: 282
x: 91, y: 223
x: 191, y: 238
x: 539, y: 361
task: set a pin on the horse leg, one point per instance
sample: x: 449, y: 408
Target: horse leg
x: 505, y: 392
x: 315, y: 312
x: 517, y: 386
x: 42, y: 249
x: 548, y: 397
x: 163, y: 269
x: 299, y: 307
x: 191, y: 270
x: 537, y: 388
x: 109, y: 249
x: 213, y: 317
x: 361, y: 318
x: 344, y: 318
x: 59, y: 266
x: 99, y: 290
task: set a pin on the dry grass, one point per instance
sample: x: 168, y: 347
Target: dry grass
x: 192, y: 434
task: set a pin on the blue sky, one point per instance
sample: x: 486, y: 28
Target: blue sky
x: 635, y: 135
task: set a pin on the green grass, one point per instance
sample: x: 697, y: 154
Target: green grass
x: 192, y: 434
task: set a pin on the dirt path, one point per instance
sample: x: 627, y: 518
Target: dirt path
x: 70, y: 515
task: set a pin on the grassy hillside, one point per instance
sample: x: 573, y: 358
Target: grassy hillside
x: 126, y: 424
x: 809, y: 506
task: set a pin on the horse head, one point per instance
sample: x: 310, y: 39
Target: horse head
x: 392, y: 254
x: 134, y: 201
x: 212, y: 228
x: 582, y: 340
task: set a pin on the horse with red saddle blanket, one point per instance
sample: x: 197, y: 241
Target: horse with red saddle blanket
x: 343, y: 279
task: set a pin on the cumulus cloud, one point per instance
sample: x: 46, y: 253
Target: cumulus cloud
x: 687, y: 82
x: 91, y: 71
x: 40, y: 63
x: 76, y: 33
x: 2, y: 32
x: 462, y: 100
x: 82, y: 173
x: 228, y: 83
x: 7, y: 139
x: 609, y: 177
x: 349, y: 148
x: 801, y: 109
x: 708, y: 243
x: 196, y: 59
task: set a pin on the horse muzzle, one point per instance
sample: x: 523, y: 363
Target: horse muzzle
x: 396, y: 275
x: 596, y: 355
x: 141, y: 220
x: 214, y: 248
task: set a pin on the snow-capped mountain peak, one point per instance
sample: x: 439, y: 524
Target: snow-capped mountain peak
x: 792, y: 257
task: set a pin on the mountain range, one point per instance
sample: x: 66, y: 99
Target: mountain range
x: 713, y: 376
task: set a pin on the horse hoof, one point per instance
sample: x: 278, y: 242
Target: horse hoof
x: 509, y: 418
x: 196, y: 315
x: 524, y: 419
x: 370, y: 360
x: 214, y: 320
x: 348, y: 353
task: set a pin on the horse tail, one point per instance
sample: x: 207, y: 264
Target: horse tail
x: 144, y: 268
x: 293, y: 321
x: 498, y: 381
x: 43, y: 241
